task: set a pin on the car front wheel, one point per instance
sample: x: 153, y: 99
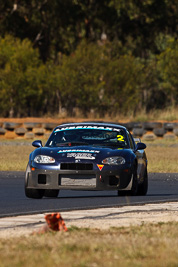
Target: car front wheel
x: 134, y: 189
x: 143, y: 188
x: 30, y: 192
x: 34, y: 193
x: 51, y: 193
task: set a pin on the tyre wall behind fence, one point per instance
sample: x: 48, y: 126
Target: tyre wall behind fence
x: 147, y: 131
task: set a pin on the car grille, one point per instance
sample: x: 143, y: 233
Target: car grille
x: 41, y: 178
x: 77, y: 166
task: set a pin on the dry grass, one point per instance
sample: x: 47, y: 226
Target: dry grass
x: 169, y: 114
x: 162, y: 159
x: 146, y: 245
x: 14, y: 157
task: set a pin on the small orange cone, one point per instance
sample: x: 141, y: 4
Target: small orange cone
x: 55, y: 222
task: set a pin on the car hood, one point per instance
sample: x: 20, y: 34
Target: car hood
x: 91, y: 153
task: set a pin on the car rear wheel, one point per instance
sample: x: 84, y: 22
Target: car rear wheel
x: 51, y: 193
x: 143, y: 188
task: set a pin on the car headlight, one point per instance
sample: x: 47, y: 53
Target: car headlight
x: 44, y: 159
x: 114, y: 161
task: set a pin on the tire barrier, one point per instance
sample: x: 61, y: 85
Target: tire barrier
x: 49, y: 126
x: 175, y: 131
x: 149, y: 126
x: 29, y: 135
x: 11, y: 125
x: 2, y: 131
x: 169, y: 136
x: 132, y: 125
x: 31, y: 125
x: 38, y: 131
x: 170, y: 126
x: 149, y: 137
x: 159, y: 132
x: 20, y: 131
x: 138, y: 132
x: 35, y: 130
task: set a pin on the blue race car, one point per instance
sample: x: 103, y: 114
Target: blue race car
x: 87, y: 156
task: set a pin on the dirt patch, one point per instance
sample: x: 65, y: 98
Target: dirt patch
x: 45, y: 120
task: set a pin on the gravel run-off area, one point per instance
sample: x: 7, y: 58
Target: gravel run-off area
x: 102, y: 218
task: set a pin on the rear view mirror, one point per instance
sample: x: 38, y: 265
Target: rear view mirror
x: 37, y: 143
x: 140, y: 146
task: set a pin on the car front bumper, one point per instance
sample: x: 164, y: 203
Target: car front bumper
x: 107, y: 179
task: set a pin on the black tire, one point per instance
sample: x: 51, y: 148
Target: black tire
x: 2, y: 131
x: 138, y: 132
x: 49, y: 126
x: 122, y: 193
x: 10, y: 125
x: 51, y: 193
x: 175, y: 131
x: 34, y: 193
x: 168, y: 126
x: 134, y: 188
x: 149, y: 126
x: 159, y: 132
x: 31, y: 125
x: 143, y: 188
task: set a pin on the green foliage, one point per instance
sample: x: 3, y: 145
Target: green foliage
x: 123, y: 78
x: 59, y: 25
x: 80, y: 78
x: 115, y: 57
x: 167, y: 64
x: 16, y: 58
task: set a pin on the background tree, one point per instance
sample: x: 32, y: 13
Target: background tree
x: 123, y: 78
x: 80, y: 78
x: 168, y: 67
x: 16, y: 58
x: 106, y: 56
x: 58, y: 25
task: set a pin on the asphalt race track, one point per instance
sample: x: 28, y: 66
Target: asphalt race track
x: 162, y: 187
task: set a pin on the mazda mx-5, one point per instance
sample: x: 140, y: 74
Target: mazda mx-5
x: 87, y: 156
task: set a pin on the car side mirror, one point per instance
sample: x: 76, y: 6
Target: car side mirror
x: 37, y: 143
x: 140, y: 146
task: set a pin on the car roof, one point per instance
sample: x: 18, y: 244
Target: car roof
x: 99, y: 124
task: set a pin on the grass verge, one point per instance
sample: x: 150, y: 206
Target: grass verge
x: 162, y: 158
x: 145, y: 245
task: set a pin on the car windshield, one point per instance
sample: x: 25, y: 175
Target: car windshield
x: 88, y: 135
